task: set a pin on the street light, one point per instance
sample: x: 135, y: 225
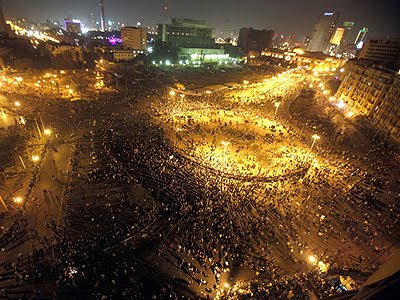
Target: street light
x: 341, y: 104
x: 276, y: 110
x: 18, y: 200
x: 312, y: 259
x: 172, y: 93
x: 225, y: 145
x: 35, y: 158
x: 17, y: 103
x: 315, y: 137
x: 47, y: 131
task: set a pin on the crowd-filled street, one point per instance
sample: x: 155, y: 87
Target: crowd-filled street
x: 266, y: 189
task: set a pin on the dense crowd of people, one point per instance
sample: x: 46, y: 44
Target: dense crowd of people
x: 146, y: 220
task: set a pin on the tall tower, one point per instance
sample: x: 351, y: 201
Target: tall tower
x: 165, y: 10
x: 323, y: 31
x: 3, y: 25
x: 102, y: 17
x: 361, y: 37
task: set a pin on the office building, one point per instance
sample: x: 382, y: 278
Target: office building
x: 134, y: 38
x: 373, y: 91
x: 348, y: 28
x: 73, y: 26
x: 360, y: 39
x: 323, y: 30
x: 383, y: 51
x: 203, y: 55
x: 5, y: 29
x: 92, y: 23
x: 186, y: 33
x: 255, y: 40
x: 120, y: 55
x: 337, y: 37
x: 314, y: 61
x: 387, y: 111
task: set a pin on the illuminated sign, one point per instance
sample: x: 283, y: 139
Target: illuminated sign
x: 328, y: 14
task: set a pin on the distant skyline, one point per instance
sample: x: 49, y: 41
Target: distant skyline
x: 283, y: 16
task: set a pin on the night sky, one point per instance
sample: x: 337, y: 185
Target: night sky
x: 284, y: 16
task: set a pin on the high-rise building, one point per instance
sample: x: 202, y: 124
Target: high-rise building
x: 384, y: 51
x: 360, y: 39
x: 134, y: 38
x: 4, y: 28
x: 92, y: 22
x: 337, y: 37
x: 255, y: 40
x: 102, y: 16
x: 373, y: 91
x: 73, y: 26
x: 186, y: 33
x: 348, y: 26
x: 323, y: 31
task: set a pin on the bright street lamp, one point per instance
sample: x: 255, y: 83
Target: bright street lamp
x: 17, y: 103
x: 35, y: 158
x: 276, y: 110
x: 18, y: 200
x: 312, y: 259
x: 225, y: 145
x: 172, y: 93
x: 341, y: 104
x: 315, y: 137
x: 47, y: 131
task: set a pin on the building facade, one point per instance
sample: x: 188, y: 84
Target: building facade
x: 309, y: 60
x: 384, y: 51
x: 125, y: 54
x: 361, y: 36
x: 203, y: 55
x: 255, y: 40
x: 3, y: 25
x: 186, y: 33
x: 322, y: 33
x: 5, y: 29
x: 73, y: 26
x: 387, y: 114
x: 373, y: 91
x: 134, y: 38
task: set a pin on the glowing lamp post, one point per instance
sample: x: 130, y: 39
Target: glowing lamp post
x: 315, y: 137
x: 47, y: 132
x: 276, y: 109
x: 18, y: 200
x: 312, y: 259
x: 225, y: 145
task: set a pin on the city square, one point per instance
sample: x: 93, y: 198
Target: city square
x: 190, y: 173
